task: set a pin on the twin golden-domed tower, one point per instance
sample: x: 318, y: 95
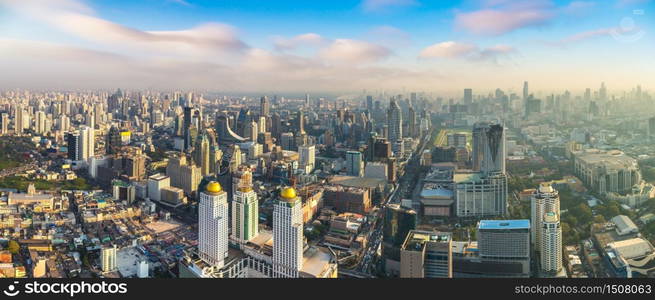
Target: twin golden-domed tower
x: 213, y: 225
x: 287, y: 234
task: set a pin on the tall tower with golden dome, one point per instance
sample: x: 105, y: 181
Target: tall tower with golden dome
x: 287, y: 234
x: 213, y: 225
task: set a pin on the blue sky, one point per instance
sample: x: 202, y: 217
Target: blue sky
x: 328, y: 46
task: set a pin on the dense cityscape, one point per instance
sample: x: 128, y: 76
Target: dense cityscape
x: 177, y: 182
x: 172, y: 184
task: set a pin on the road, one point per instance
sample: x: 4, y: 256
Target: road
x: 405, y: 182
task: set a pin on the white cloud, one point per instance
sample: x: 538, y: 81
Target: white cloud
x: 500, y: 17
x: 353, y: 51
x: 452, y: 49
x: 75, y: 18
x: 307, y: 39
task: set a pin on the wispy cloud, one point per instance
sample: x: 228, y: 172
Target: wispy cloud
x: 354, y: 51
x: 499, y: 17
x: 591, y: 34
x: 452, y: 49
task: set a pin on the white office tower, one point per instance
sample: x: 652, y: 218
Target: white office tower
x: 142, y: 269
x: 19, y: 121
x: 395, y: 121
x: 39, y: 124
x: 545, y: 199
x: 245, y: 214
x: 307, y: 158
x: 87, y: 143
x: 287, y: 235
x: 551, y: 245
x: 488, y: 148
x: 212, y: 225
x: 4, y: 123
x: 108, y: 258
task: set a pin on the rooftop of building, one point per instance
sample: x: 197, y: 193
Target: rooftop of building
x: 624, y: 224
x: 613, y: 159
x: 416, y: 239
x: 504, y: 224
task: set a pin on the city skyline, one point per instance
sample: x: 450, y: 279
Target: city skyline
x: 342, y: 47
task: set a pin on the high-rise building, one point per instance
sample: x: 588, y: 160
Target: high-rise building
x: 426, y: 254
x: 398, y: 222
x: 113, y: 140
x: 551, y: 243
x: 300, y: 119
x: 213, y: 225
x: 395, y: 121
x: 488, y: 148
x: 287, y: 141
x: 525, y: 91
x: 265, y: 106
x: 288, y: 236
x: 201, y: 155
x: 20, y: 119
x: 411, y: 122
x: 183, y: 175
x: 307, y: 158
x: 108, y: 259
x: 545, y: 199
x: 73, y: 142
x: 187, y: 127
x: 468, y: 96
x: 87, y: 142
x: 157, y: 182
x: 4, y: 124
x: 245, y: 214
x: 39, y: 124
x: 369, y: 103
x: 354, y: 163
x: 506, y: 241
x: 651, y: 128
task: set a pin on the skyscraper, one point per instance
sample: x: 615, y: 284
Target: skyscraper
x: 468, y: 96
x: 411, y: 122
x: 545, y: 199
x: 245, y: 214
x: 265, y: 106
x: 307, y: 157
x: 488, y: 148
x: 86, y: 144
x: 108, y: 259
x: 525, y: 91
x: 551, y: 244
x: 394, y: 121
x: 287, y: 235
x: 73, y: 142
x: 4, y: 123
x: 354, y: 163
x: 369, y: 103
x: 213, y: 225
x: 187, y: 127
x: 201, y: 154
